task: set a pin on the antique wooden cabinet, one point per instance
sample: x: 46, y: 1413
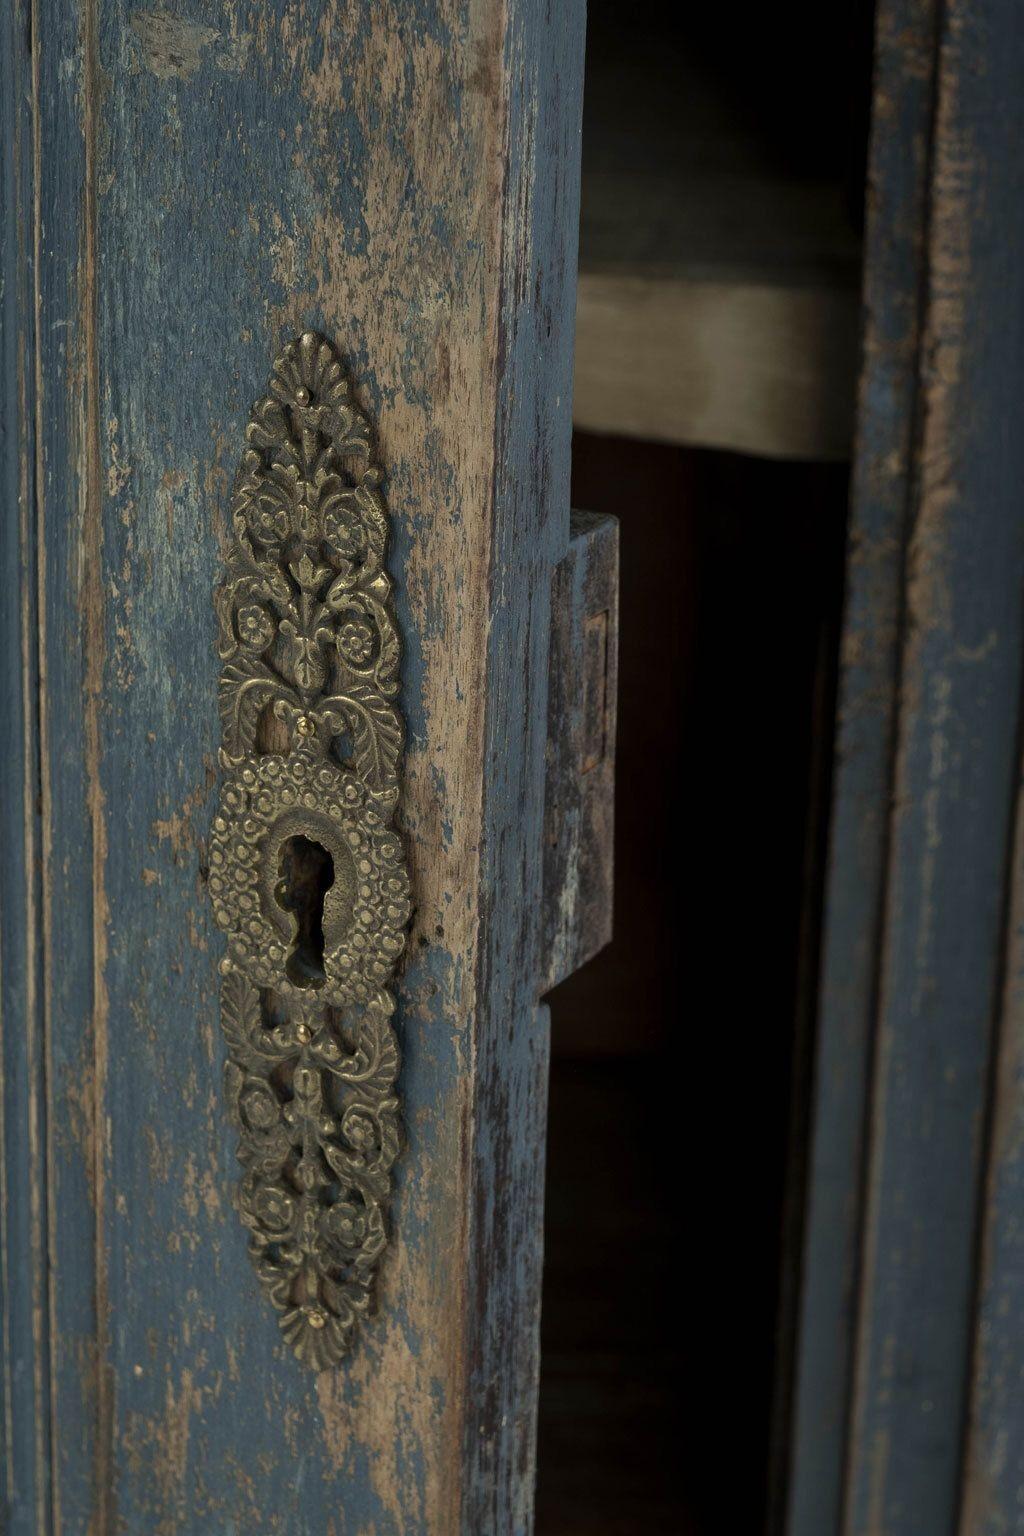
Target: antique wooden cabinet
x: 186, y: 192
x: 308, y: 687
x: 908, y: 1392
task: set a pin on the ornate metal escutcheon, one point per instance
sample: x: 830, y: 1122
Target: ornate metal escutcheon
x: 307, y: 875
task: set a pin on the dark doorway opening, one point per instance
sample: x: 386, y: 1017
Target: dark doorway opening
x: 681, y: 1054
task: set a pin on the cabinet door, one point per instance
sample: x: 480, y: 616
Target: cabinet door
x: 187, y: 190
x: 909, y: 1414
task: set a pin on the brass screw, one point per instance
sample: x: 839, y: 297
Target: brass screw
x: 302, y: 1034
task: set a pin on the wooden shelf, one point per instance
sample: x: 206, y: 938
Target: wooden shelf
x: 719, y: 272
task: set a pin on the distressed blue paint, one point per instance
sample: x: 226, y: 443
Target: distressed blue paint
x: 68, y: 912
x: 993, y: 1496
x: 957, y: 771
x: 920, y: 922
x: 177, y: 1408
x: 543, y: 64
x: 983, y: 160
x: 883, y: 474
x: 24, y: 1345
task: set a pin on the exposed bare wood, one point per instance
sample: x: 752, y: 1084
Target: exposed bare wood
x: 405, y: 181
x: 579, y: 809
x: 737, y: 364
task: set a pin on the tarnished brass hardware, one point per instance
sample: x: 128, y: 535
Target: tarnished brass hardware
x: 307, y: 875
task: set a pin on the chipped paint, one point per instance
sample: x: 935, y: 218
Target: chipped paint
x: 361, y: 171
x: 172, y: 48
x: 928, y: 773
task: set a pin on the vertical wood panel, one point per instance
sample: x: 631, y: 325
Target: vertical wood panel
x: 579, y: 798
x: 956, y: 774
x: 72, y: 927
x: 884, y: 476
x: 404, y: 178
x: 993, y: 1492
x: 915, y: 950
x: 542, y: 65
x: 24, y: 1344
x: 984, y: 121
x: 957, y: 722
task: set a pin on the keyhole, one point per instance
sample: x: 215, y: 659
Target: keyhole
x: 307, y: 874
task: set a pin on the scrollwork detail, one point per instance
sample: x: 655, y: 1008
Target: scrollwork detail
x: 310, y: 654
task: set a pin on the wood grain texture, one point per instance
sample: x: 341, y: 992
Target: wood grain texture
x: 737, y: 363
x: 403, y: 178
x: 24, y: 1352
x: 956, y: 776
x: 992, y: 1502
x: 922, y: 832
x: 981, y: 287
x: 579, y: 801
x: 542, y: 65
x: 881, y: 492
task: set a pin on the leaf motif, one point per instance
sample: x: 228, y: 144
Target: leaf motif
x: 246, y: 685
x: 268, y: 428
x: 376, y: 733
x: 227, y: 645
x: 375, y: 521
x: 349, y: 431
x: 354, y: 1173
x: 373, y: 1063
x: 303, y: 657
x: 348, y: 1167
x: 387, y: 661
x: 387, y: 1121
x: 240, y: 1014
x: 263, y: 1153
x: 258, y: 575
x: 375, y: 1240
x: 339, y: 593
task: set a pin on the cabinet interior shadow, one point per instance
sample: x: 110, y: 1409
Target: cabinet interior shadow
x: 681, y: 1054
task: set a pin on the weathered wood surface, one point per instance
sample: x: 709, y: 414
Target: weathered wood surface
x: 24, y: 1391
x: 979, y: 342
x: 993, y: 1462
x: 404, y: 179
x: 883, y: 472
x: 579, y: 802
x: 916, y: 947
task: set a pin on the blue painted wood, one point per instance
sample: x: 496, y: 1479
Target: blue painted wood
x: 71, y: 686
x: 24, y: 1399
x: 881, y: 493
x: 935, y: 958
x: 956, y: 780
x: 993, y: 1494
x: 982, y: 166
x: 543, y: 64
x: 404, y: 179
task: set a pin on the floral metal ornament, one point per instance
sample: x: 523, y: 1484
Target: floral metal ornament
x: 307, y: 875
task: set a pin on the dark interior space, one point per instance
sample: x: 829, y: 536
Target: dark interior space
x: 726, y: 95
x: 683, y: 1054
x: 680, y: 1052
